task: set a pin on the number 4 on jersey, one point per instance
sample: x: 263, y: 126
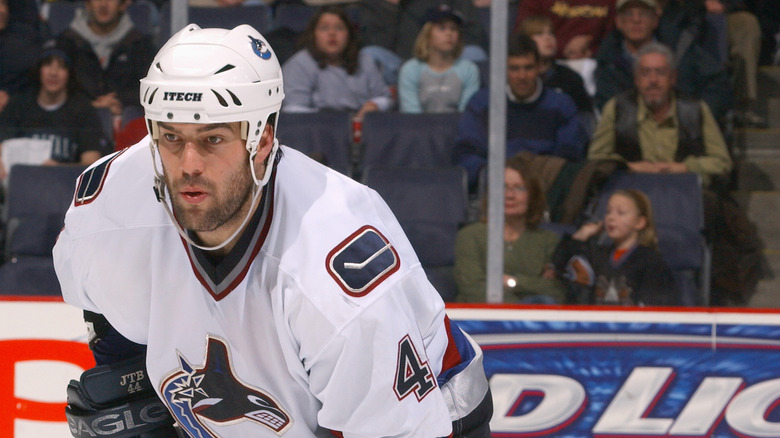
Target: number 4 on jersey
x: 412, y: 374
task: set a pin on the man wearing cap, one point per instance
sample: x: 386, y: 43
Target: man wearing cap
x: 699, y: 74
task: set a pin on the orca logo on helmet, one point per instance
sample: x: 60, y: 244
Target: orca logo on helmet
x: 260, y: 48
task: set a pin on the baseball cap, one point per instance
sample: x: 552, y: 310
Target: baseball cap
x: 442, y: 12
x: 653, y: 4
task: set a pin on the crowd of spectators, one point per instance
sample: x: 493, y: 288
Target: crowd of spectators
x: 586, y: 79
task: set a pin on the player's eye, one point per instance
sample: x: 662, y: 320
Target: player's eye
x: 170, y: 137
x: 213, y: 140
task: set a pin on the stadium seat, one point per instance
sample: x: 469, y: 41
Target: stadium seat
x: 324, y: 135
x: 36, y: 202
x: 293, y: 16
x: 144, y: 15
x: 59, y: 14
x: 29, y: 276
x: 409, y: 140
x: 679, y: 219
x: 430, y: 204
x: 106, y: 118
x: 483, y: 15
x: 258, y: 16
x: 164, y: 24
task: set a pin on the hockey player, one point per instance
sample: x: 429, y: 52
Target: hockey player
x: 246, y: 288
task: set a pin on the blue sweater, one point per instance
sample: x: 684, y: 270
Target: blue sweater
x: 546, y: 126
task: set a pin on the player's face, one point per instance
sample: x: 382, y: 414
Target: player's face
x: 444, y: 36
x: 654, y: 78
x: 207, y: 174
x: 515, y: 194
x: 521, y: 73
x: 623, y: 220
x: 105, y: 12
x: 546, y: 42
x: 331, y: 35
x: 54, y: 76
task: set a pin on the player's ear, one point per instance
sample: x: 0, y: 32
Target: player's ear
x: 266, y: 144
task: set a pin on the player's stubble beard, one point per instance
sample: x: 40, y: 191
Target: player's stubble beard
x: 229, y: 206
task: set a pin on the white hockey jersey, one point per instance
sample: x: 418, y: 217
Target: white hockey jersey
x: 319, y: 322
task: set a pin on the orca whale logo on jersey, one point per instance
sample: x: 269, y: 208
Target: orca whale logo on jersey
x: 260, y: 48
x: 362, y: 261
x: 214, y: 393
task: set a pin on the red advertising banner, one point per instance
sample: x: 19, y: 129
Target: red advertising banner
x: 42, y: 347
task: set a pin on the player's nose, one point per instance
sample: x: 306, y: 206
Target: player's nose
x: 192, y: 162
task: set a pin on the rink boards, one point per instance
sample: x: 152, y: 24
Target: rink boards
x: 563, y: 372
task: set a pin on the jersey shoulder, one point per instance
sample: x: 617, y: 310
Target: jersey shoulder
x: 338, y: 237
x: 116, y: 192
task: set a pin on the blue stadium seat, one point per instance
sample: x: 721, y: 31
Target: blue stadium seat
x: 29, y: 276
x: 483, y: 14
x: 59, y: 14
x: 144, y: 15
x: 164, y: 24
x: 293, y: 16
x: 430, y: 204
x: 324, y: 133
x: 678, y: 211
x: 258, y: 16
x: 36, y: 201
x: 410, y: 140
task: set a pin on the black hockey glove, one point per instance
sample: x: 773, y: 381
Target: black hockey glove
x: 117, y: 401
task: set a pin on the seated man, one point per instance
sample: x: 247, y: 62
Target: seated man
x: 700, y: 75
x: 656, y: 130
x: 539, y: 119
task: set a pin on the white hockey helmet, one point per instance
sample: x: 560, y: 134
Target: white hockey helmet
x: 215, y: 76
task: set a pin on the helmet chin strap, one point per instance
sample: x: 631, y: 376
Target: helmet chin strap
x: 160, y: 188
